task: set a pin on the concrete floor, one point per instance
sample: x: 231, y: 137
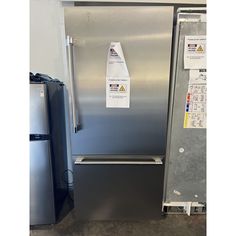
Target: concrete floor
x: 171, y: 225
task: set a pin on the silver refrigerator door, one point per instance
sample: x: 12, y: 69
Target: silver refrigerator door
x: 145, y: 34
x: 41, y: 184
x: 38, y: 109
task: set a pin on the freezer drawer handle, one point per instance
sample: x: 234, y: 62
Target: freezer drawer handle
x: 75, y: 116
x: 88, y: 161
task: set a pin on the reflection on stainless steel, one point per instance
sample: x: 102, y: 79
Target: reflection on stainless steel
x: 38, y: 109
x: 145, y: 34
x: 42, y: 209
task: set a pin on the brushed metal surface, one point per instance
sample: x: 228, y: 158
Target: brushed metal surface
x: 38, y: 109
x: 41, y: 184
x: 145, y: 35
x: 118, y: 192
x: 186, y: 171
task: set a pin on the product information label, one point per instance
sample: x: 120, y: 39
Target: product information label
x: 195, y: 106
x: 195, y: 52
x: 117, y: 78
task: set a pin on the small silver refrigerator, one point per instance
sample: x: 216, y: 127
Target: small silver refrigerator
x: 47, y: 163
x: 41, y: 179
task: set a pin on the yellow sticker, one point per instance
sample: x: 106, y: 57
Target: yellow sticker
x: 200, y: 49
x: 122, y: 89
x: 186, y: 120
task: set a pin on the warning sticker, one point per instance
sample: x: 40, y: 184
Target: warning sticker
x: 117, y: 78
x: 196, y: 98
x: 122, y: 88
x: 195, y: 52
x: 117, y: 88
x: 114, y: 87
x: 200, y: 49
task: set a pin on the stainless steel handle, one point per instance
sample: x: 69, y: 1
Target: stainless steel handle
x: 75, y: 116
x: 88, y: 161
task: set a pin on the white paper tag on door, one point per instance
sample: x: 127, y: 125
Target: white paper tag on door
x: 117, y: 78
x: 195, y: 52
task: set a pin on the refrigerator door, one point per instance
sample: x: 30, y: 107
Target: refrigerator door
x: 145, y: 34
x: 41, y: 184
x: 38, y: 109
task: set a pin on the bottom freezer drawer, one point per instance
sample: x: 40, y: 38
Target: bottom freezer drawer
x: 118, y: 192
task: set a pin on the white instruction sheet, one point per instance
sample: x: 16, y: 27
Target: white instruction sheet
x: 117, y: 78
x: 196, y: 98
x: 195, y: 52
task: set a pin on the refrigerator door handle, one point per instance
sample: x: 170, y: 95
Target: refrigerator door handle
x: 75, y: 116
x: 89, y: 161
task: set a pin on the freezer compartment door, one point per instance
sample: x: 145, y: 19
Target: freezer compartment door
x: 41, y: 184
x: 124, y: 191
x: 38, y: 109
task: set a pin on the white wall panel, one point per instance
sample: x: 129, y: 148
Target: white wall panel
x: 47, y: 39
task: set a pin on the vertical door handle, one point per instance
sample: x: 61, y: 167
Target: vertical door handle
x: 70, y: 59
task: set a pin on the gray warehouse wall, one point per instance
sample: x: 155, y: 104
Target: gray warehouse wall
x: 47, y: 54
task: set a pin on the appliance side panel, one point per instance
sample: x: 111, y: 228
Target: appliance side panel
x: 68, y: 138
x: 38, y: 109
x: 145, y: 34
x: 58, y: 134
x: 41, y: 184
x: 186, y: 177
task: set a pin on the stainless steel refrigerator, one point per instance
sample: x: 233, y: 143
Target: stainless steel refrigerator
x: 119, y: 148
x: 48, y: 159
